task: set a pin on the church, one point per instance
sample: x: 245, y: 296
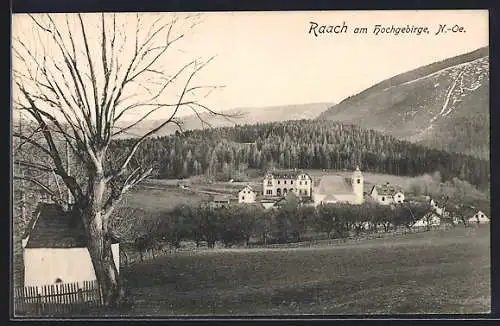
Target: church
x: 339, y: 189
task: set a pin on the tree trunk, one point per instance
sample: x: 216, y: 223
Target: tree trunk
x: 125, y: 256
x: 99, y: 246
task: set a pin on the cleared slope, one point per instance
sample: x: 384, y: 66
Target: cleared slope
x: 444, y: 105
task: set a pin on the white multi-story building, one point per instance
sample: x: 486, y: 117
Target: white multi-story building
x: 280, y: 183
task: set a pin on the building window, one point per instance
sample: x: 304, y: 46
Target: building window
x: 300, y: 183
x: 278, y: 191
x: 383, y: 198
x: 278, y: 182
x: 305, y: 182
x: 284, y: 182
x: 242, y: 197
x: 291, y: 182
x: 358, y: 181
x: 269, y: 192
x: 269, y: 183
x: 58, y: 280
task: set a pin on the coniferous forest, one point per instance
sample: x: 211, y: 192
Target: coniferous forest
x: 303, y: 144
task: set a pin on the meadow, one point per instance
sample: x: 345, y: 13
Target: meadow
x: 430, y: 272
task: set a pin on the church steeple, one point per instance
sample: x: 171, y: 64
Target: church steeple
x: 357, y: 184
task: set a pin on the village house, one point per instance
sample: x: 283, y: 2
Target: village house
x: 268, y: 202
x: 387, y: 194
x: 434, y: 217
x: 279, y: 183
x: 247, y: 195
x: 479, y: 218
x: 338, y: 189
x: 431, y: 220
x: 220, y: 201
x: 54, y: 249
x: 435, y: 207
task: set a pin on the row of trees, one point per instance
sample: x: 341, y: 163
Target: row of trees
x: 305, y: 144
x: 242, y: 224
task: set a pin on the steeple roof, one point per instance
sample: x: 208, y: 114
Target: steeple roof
x: 357, y: 172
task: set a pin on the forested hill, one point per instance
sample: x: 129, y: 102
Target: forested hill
x: 304, y: 144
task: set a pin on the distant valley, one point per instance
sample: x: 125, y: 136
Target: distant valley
x: 237, y: 116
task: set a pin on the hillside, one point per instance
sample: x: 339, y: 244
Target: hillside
x: 444, y: 105
x: 238, y: 116
x: 222, y: 153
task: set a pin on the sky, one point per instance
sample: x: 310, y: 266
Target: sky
x: 270, y: 58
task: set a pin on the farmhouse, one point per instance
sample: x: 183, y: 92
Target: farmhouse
x: 338, y: 189
x: 247, y: 195
x: 387, y: 194
x: 54, y: 249
x: 279, y: 183
x: 268, y: 202
x: 431, y: 220
x: 479, y: 218
x: 220, y: 201
x: 435, y: 207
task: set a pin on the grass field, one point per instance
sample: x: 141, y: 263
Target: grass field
x: 161, y: 198
x: 430, y: 272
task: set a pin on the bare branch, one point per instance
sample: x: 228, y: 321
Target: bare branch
x: 148, y: 102
x: 37, y: 166
x: 46, y: 189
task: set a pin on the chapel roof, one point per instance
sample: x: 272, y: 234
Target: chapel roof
x: 52, y: 227
x: 334, y: 184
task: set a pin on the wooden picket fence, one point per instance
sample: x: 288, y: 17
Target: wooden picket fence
x: 55, y: 299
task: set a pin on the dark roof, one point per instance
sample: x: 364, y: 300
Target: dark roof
x: 285, y: 174
x: 221, y: 198
x: 387, y: 189
x: 52, y: 227
x: 270, y: 199
x: 247, y: 187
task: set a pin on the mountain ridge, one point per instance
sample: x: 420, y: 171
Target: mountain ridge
x: 236, y: 116
x: 443, y: 105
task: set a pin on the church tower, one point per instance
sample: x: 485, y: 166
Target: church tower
x: 357, y: 185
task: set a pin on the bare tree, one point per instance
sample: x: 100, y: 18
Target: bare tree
x: 78, y: 78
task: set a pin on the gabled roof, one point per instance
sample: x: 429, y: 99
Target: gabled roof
x: 334, y: 185
x: 247, y: 187
x: 52, y: 227
x: 285, y: 174
x: 269, y: 199
x: 387, y: 189
x: 221, y: 198
x: 479, y: 213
